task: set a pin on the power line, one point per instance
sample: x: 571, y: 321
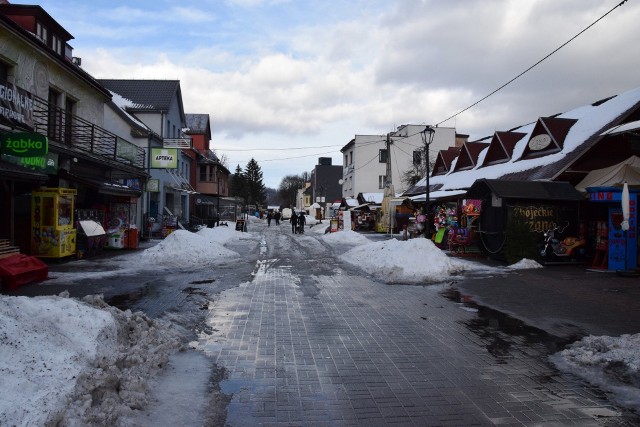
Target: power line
x: 534, y: 65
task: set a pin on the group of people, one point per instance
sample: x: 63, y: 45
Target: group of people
x: 276, y: 215
x: 297, y: 222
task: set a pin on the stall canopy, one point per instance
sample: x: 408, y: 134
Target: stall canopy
x: 616, y: 175
x: 533, y: 190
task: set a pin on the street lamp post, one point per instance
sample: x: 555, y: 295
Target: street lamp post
x: 427, y: 138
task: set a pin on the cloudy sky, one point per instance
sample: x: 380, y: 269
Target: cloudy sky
x: 288, y: 81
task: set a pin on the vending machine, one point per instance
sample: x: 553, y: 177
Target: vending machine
x: 52, y: 225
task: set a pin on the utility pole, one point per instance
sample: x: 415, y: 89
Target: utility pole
x: 388, y: 187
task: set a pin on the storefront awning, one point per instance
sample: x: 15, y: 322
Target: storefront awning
x: 204, y: 200
x: 19, y: 173
x: 103, y: 186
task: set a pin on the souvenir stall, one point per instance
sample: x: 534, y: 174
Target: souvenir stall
x: 445, y: 219
x: 540, y: 206
x: 615, y: 227
x: 52, y: 227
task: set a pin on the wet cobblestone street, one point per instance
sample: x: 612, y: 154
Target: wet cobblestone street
x: 341, y: 349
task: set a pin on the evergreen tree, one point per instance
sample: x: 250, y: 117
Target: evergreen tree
x: 237, y: 185
x: 255, y: 189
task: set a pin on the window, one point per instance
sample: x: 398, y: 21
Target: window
x: 54, y: 115
x: 203, y: 173
x: 417, y: 157
x: 350, y: 157
x: 56, y: 44
x: 4, y: 72
x: 382, y: 181
x: 382, y: 156
x: 69, y: 107
x: 41, y: 32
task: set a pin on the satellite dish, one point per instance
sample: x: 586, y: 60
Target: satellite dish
x: 340, y: 181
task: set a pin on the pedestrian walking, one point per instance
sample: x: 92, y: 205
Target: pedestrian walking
x: 302, y: 220
x: 276, y: 216
x: 269, y: 219
x: 294, y: 222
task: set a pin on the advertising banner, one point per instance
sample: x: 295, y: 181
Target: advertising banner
x: 16, y: 106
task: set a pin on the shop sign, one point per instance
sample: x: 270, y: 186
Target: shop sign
x: 133, y: 183
x: 126, y: 150
x: 16, y: 105
x: 164, y: 158
x: 153, y: 185
x: 539, y: 218
x: 47, y: 163
x: 605, y: 196
x: 24, y: 144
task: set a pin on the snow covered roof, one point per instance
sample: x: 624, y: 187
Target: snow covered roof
x: 568, y: 136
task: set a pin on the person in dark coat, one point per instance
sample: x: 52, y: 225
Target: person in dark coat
x: 302, y: 220
x: 268, y: 219
x: 294, y: 221
x: 276, y: 216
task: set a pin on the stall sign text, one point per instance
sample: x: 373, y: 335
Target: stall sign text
x: 539, y: 218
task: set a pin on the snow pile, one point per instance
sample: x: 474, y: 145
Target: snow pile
x: 346, y: 237
x: 411, y: 261
x: 220, y: 235
x: 76, y: 362
x: 525, y: 264
x: 186, y: 249
x: 612, y: 363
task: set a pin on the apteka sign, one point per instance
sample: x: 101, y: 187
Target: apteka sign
x: 164, y: 158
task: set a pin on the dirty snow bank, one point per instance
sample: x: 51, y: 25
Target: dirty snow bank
x: 77, y: 362
x: 612, y: 363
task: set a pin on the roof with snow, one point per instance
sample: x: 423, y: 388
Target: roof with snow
x: 145, y: 95
x: 544, y: 149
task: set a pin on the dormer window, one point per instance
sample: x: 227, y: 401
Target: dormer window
x: 41, y: 32
x: 56, y: 44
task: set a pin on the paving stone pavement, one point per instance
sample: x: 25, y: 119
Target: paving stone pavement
x: 358, y: 352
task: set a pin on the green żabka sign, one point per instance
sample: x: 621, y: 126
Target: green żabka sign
x: 25, y: 144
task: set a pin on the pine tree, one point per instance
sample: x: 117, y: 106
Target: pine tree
x: 255, y: 188
x: 237, y: 187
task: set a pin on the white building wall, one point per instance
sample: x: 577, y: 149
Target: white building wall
x: 361, y: 166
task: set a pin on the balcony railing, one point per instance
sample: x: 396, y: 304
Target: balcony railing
x: 80, y: 134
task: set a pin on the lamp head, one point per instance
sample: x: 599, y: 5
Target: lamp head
x: 427, y: 135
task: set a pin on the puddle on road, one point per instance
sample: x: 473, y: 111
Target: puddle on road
x: 502, y: 331
x: 126, y: 301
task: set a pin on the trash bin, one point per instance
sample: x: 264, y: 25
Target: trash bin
x: 131, y: 238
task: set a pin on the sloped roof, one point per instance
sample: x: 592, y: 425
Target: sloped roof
x: 444, y: 160
x: 468, y: 157
x: 198, y: 123
x: 145, y: 95
x: 501, y: 147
